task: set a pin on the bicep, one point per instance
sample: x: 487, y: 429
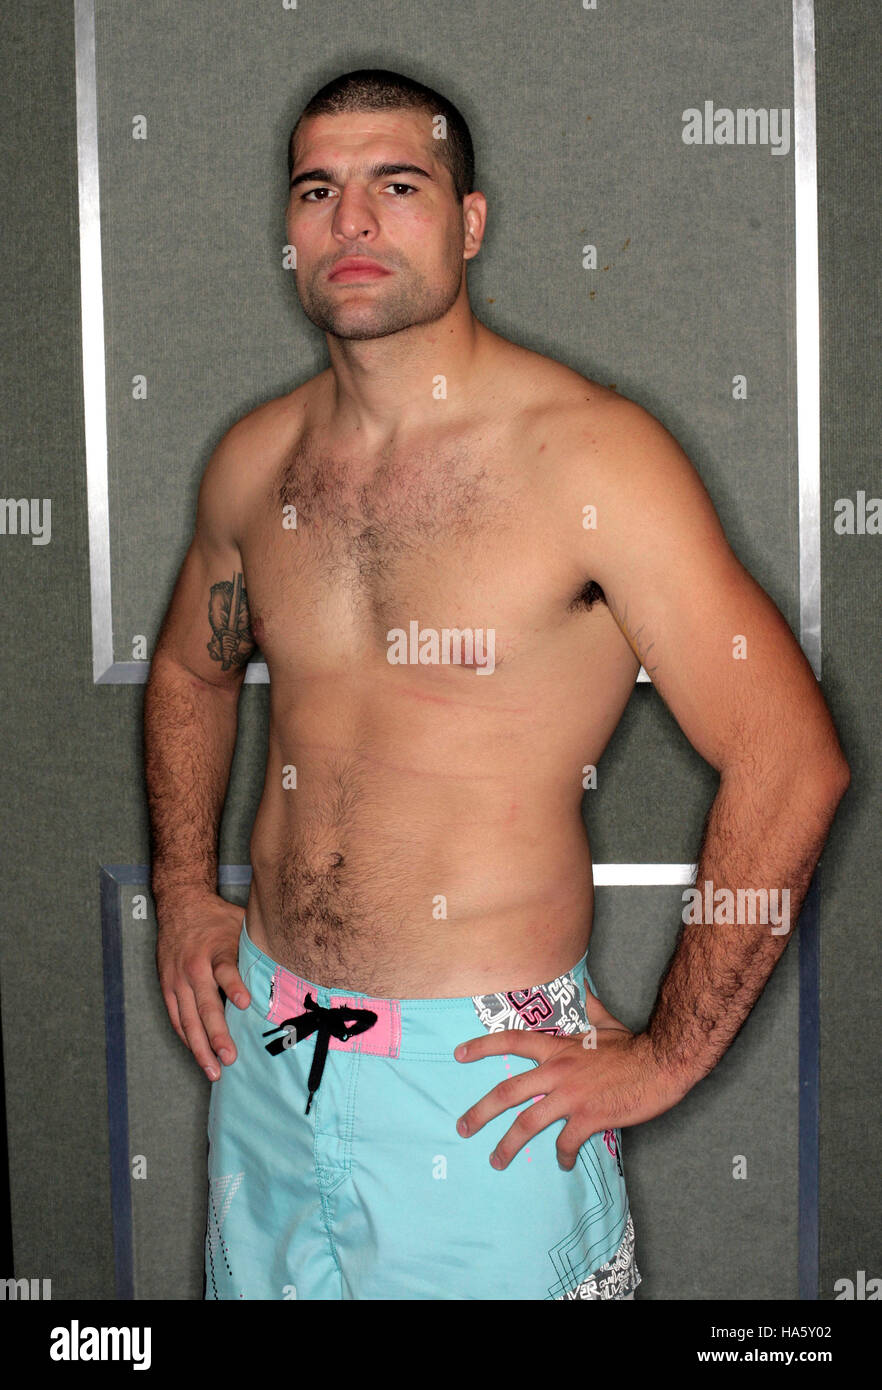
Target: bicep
x: 207, y: 628
x: 713, y: 642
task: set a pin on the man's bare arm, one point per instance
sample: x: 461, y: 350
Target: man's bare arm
x: 190, y: 725
x: 189, y: 739
x: 718, y: 969
x: 728, y: 667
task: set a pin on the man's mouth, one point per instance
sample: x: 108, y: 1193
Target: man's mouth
x: 357, y: 268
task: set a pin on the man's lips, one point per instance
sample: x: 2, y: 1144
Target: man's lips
x: 357, y: 268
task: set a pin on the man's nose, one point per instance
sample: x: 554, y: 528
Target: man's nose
x: 354, y: 217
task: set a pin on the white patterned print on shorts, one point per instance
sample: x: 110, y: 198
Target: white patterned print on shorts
x: 554, y: 1008
x: 616, y: 1279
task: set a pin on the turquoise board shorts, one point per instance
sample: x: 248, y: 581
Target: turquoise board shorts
x: 371, y: 1193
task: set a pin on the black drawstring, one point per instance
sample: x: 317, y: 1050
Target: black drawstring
x: 327, y: 1021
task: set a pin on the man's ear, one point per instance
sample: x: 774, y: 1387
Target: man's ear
x: 474, y: 213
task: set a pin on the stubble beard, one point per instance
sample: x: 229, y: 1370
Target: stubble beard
x: 407, y: 301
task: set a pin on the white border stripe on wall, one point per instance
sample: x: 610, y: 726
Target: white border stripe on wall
x: 92, y: 310
x: 642, y: 875
x: 808, y: 407
x: 808, y: 400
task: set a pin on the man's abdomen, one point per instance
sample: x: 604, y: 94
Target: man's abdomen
x: 378, y: 868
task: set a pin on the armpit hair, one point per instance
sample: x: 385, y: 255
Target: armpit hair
x: 589, y: 594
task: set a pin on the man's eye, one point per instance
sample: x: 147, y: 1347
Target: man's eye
x: 307, y: 197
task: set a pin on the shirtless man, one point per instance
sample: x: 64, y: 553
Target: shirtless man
x: 454, y: 555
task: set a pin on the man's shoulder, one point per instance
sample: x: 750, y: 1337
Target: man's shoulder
x: 548, y: 392
x: 579, y: 425
x: 615, y: 466
x: 248, y: 455
x: 594, y: 451
x: 277, y: 422
x: 258, y: 440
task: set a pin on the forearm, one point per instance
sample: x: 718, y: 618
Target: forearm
x: 189, y: 739
x: 757, y: 837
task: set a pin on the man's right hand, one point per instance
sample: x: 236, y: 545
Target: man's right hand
x: 196, y: 954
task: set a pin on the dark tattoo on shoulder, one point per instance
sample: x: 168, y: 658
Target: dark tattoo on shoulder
x: 232, y: 641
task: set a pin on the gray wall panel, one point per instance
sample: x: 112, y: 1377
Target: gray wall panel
x: 850, y: 228
x: 700, y: 1233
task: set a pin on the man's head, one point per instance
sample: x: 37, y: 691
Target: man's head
x: 383, y: 187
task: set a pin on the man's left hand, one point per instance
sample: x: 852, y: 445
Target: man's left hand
x: 599, y: 1080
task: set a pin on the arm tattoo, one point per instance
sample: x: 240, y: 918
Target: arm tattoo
x: 232, y: 641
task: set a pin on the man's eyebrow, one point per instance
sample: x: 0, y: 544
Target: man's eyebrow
x: 376, y: 171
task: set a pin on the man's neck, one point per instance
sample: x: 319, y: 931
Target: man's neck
x: 407, y: 383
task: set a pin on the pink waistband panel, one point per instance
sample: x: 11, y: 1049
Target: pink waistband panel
x: 382, y: 1039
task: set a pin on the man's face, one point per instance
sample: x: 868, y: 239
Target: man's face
x: 407, y: 221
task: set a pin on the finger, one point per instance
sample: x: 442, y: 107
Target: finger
x: 514, y: 1090
x: 528, y: 1124
x: 171, y: 1004
x: 227, y: 975
x: 197, y: 1040
x: 522, y: 1042
x: 211, y: 1013
x: 569, y: 1142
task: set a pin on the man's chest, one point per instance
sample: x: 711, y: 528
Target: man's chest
x: 344, y: 559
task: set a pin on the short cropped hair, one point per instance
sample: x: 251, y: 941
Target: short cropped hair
x: 375, y: 89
